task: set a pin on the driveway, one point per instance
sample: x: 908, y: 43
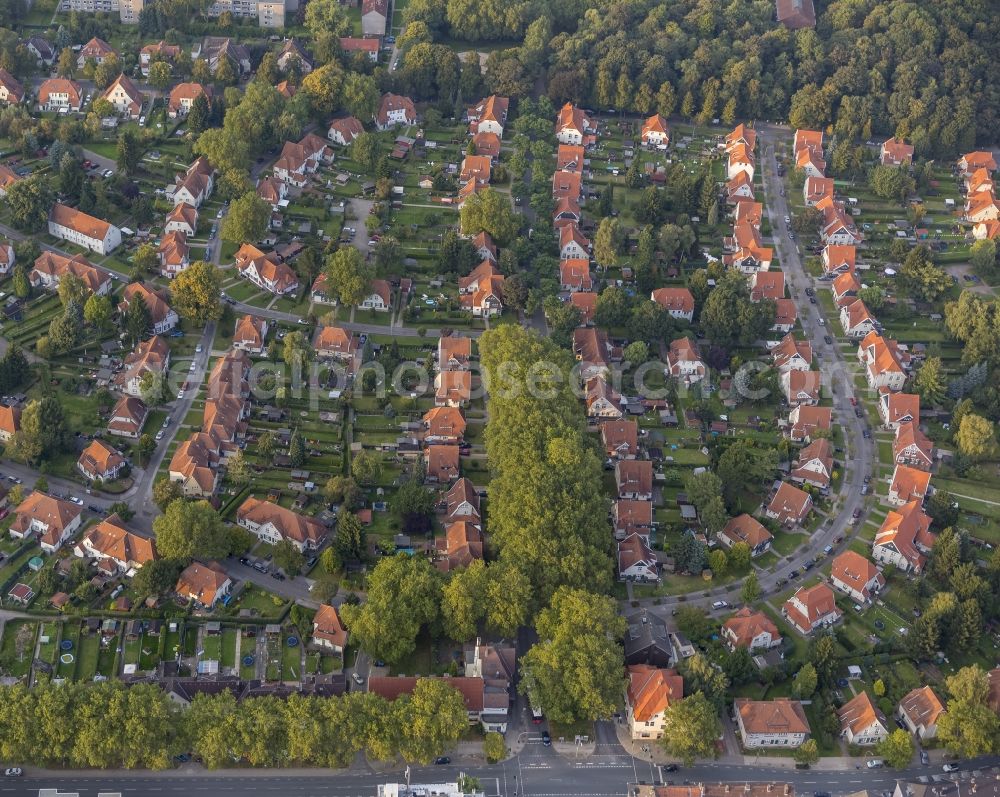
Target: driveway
x: 360, y: 210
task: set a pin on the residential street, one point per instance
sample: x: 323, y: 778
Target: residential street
x: 537, y: 771
x: 859, y: 455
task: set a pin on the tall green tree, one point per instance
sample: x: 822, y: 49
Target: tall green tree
x: 575, y: 669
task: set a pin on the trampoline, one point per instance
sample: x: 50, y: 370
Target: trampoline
x: 66, y: 644
x: 292, y: 641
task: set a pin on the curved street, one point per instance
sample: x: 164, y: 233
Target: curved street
x: 859, y: 454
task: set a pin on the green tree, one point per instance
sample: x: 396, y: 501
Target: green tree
x: 739, y: 557
x: 196, y: 291
x: 349, y: 275
x: 248, y: 219
x: 463, y: 601
x: 157, y: 577
x: 29, y: 201
x: 701, y: 675
x: 366, y: 467
x: 296, y: 449
x: 238, y: 470
x: 403, y: 596
x: 607, y: 242
x: 929, y: 382
x: 432, y: 718
x: 691, y: 727
x: 137, y: 320
x: 43, y: 430
x: 342, y: 490
x: 490, y: 211
x: 975, y: 436
x: 145, y: 447
x: 806, y: 681
x: 289, y: 558
x: 494, y: 746
x: 129, y: 151
x: 751, y: 589
x: 574, y: 670
x: 188, y: 530
x: 806, y: 753
x: 896, y: 749
x: 350, y: 542
x: 165, y: 492
x: 969, y: 728
x: 414, y: 507
x: 97, y: 312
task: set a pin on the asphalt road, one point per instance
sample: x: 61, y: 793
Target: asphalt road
x: 537, y: 772
x: 859, y: 455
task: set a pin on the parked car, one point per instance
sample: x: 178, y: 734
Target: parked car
x: 442, y: 759
x: 924, y: 758
x: 720, y: 605
x: 950, y: 768
x: 13, y: 772
x: 547, y: 740
x: 875, y: 763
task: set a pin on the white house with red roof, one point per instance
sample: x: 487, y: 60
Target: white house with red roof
x: 811, y: 608
x: 393, y: 110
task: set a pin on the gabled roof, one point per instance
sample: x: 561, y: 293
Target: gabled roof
x: 818, y: 601
x: 655, y: 124
x: 744, y: 528
x: 291, y: 525
x: 463, y: 544
x: 779, y: 716
x: 10, y: 419
x: 78, y: 221
x: 392, y: 687
x: 651, y: 690
x: 490, y: 109
x: 155, y: 300
x: 789, y: 501
x: 906, y: 530
x: 746, y: 625
x: 570, y: 233
x: 442, y: 462
x: 618, y: 433
x: 54, y: 513
x: 394, y: 102
x: 201, y: 581
x: 461, y: 492
x: 111, y: 538
x: 678, y: 299
x: 128, y: 87
x: 99, y: 458
x: 189, y: 92
x: 327, y: 625
x: 854, y: 570
x: 684, y: 350
x: 444, y: 422
x: 249, y: 330
x: 634, y: 476
x: 349, y: 127
x: 910, y: 483
x: 859, y: 713
x: 908, y: 434
x: 922, y: 706
x: 335, y: 339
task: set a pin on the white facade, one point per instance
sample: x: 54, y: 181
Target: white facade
x: 112, y: 238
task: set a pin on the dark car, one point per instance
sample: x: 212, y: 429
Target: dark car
x: 671, y: 768
x: 812, y: 300
x: 546, y: 739
x: 244, y: 560
x: 278, y: 576
x: 810, y: 291
x: 924, y: 758
x: 859, y: 412
x: 793, y: 574
x: 442, y: 759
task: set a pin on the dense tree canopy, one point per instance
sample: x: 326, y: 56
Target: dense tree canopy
x: 548, y: 516
x: 922, y: 71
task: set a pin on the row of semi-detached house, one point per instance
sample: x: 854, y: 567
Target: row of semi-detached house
x: 632, y: 510
x: 481, y: 291
x: 188, y: 191
x: 981, y: 206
